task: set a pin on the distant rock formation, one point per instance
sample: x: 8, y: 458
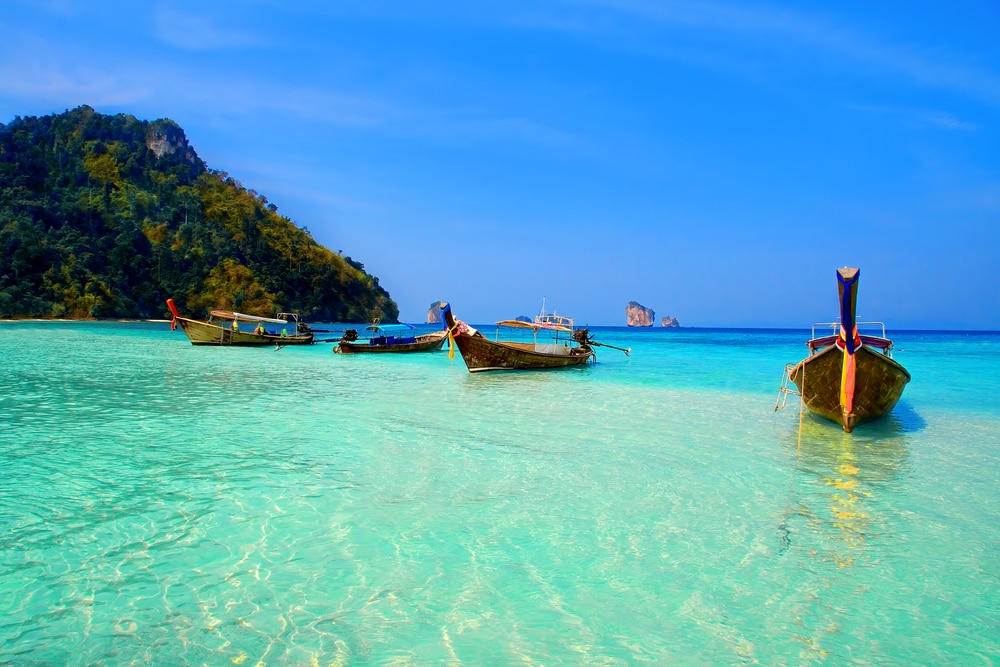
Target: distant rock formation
x: 669, y: 321
x: 434, y: 312
x: 523, y: 318
x: 637, y: 315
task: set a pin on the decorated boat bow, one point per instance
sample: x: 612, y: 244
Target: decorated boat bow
x: 848, y: 377
x: 848, y: 340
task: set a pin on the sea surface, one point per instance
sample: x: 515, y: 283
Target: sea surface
x: 162, y: 504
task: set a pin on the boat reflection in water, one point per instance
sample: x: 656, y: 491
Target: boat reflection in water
x: 837, y: 480
x: 836, y: 535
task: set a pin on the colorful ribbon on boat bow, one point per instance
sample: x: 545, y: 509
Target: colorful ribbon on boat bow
x: 849, y: 340
x: 459, y: 328
x: 173, y: 311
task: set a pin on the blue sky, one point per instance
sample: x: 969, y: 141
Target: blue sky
x: 714, y: 161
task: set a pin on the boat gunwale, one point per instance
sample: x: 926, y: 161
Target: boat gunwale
x: 253, y: 338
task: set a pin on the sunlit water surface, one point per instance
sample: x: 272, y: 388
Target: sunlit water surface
x: 166, y: 504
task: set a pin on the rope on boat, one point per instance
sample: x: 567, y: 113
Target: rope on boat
x: 783, y: 529
x: 801, y: 410
x: 460, y: 327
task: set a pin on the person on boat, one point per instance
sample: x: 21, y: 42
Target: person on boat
x: 236, y: 325
x: 260, y: 330
x: 284, y: 333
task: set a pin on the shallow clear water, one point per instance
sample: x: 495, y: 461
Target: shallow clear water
x: 166, y: 504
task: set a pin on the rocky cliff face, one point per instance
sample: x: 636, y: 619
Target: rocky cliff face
x: 434, y: 313
x: 669, y: 321
x: 637, y: 315
x: 166, y: 137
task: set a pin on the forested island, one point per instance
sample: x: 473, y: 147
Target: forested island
x: 106, y: 216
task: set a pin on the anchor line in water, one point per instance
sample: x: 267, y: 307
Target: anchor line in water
x: 783, y: 529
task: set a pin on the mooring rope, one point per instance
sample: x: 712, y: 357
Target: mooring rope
x: 802, y: 395
x: 783, y: 529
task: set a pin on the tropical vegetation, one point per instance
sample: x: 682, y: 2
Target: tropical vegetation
x: 106, y: 216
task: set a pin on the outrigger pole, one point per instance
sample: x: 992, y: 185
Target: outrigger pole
x: 627, y: 351
x: 582, y: 336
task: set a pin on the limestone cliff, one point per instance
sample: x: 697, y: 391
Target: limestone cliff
x: 637, y: 315
x: 434, y: 312
x: 165, y: 137
x: 669, y: 321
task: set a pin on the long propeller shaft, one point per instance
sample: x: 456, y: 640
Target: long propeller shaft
x: 627, y: 351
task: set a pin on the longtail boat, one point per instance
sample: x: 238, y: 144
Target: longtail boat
x: 483, y: 354
x: 847, y: 377
x: 393, y: 338
x: 223, y: 328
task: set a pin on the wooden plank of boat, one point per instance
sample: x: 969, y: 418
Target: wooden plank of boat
x: 878, y: 385
x: 849, y: 378
x: 201, y: 332
x: 422, y: 343
x: 482, y: 354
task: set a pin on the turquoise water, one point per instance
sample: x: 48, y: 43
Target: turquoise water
x: 171, y: 505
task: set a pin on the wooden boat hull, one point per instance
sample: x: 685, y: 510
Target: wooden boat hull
x: 423, y: 343
x: 483, y: 354
x: 879, y: 382
x: 204, y: 333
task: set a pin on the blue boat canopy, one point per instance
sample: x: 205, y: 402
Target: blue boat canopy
x: 390, y: 328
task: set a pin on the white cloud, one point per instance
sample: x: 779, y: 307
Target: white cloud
x: 820, y: 34
x: 202, y: 32
x: 919, y: 117
x: 68, y: 86
x: 945, y: 120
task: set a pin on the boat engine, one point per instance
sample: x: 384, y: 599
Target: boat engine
x: 582, y: 336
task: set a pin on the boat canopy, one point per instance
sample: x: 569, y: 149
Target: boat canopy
x: 390, y: 327
x: 532, y: 325
x: 241, y: 317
